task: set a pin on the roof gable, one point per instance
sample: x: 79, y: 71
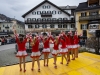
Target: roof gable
x: 42, y: 4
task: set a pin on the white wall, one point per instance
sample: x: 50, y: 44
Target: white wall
x: 63, y: 15
x: 69, y: 11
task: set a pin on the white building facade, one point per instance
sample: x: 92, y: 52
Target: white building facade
x: 47, y: 16
x: 6, y: 28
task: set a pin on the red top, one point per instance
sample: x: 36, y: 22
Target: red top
x: 76, y: 39
x: 72, y: 41
x: 67, y: 40
x: 46, y: 43
x: 35, y: 47
x: 63, y: 43
x: 21, y: 45
x: 56, y: 45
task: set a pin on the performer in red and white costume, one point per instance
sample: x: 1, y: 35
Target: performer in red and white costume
x: 55, y: 51
x: 72, y: 47
x: 63, y: 49
x: 35, y: 52
x: 21, y: 49
x: 46, y: 49
x: 68, y: 44
x: 77, y: 43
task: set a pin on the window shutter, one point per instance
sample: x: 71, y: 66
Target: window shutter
x: 81, y: 26
x: 87, y: 26
x: 85, y: 14
x: 81, y: 14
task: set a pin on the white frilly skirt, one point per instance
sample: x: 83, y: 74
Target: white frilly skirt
x: 46, y: 50
x: 63, y: 51
x: 21, y: 54
x: 55, y: 52
x: 35, y: 54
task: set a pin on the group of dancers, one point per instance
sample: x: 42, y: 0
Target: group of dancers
x: 64, y: 44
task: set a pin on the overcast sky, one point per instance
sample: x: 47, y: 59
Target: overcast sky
x: 17, y: 8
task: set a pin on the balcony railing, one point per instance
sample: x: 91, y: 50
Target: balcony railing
x: 92, y: 17
x: 51, y: 29
x: 49, y: 21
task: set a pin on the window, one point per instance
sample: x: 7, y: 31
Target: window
x: 59, y: 12
x: 84, y: 26
x: 65, y: 26
x: 83, y: 14
x: 3, y: 25
x: 3, y: 30
x: 72, y: 26
x: 59, y: 26
x: 28, y: 19
x: 44, y: 20
x: 44, y: 7
x: 54, y: 19
x: 43, y: 12
x: 33, y: 19
x: 34, y: 13
x: 38, y: 12
x: 65, y: 19
x: 49, y: 12
x: 44, y: 26
x: 49, y: 19
x: 48, y: 6
x: 39, y: 19
x: 0, y: 28
x: 60, y: 19
x: 94, y: 13
x: 29, y: 26
x: 10, y: 25
x: 7, y: 30
x: 72, y: 18
x: 51, y: 26
x: 54, y: 12
x: 36, y: 26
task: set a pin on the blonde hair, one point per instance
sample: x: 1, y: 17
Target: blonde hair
x: 56, y: 40
x: 33, y: 41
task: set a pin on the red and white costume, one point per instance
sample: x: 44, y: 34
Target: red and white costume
x: 68, y: 43
x: 72, y: 43
x: 21, y: 47
x: 46, y: 45
x: 76, y: 41
x: 56, y: 47
x: 63, y: 49
x: 35, y: 50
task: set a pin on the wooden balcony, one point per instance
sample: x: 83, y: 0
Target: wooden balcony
x: 49, y: 21
x: 89, y: 18
x: 48, y: 29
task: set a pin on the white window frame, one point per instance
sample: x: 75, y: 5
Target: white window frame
x: 84, y: 26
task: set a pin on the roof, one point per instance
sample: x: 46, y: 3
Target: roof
x: 43, y: 3
x: 84, y: 6
x: 68, y: 7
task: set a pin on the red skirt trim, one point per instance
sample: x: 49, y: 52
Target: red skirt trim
x: 45, y: 52
x: 63, y: 52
